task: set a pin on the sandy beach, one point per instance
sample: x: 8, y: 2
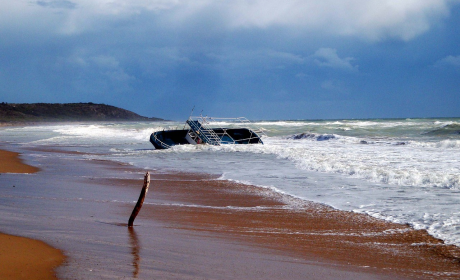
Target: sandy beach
x: 10, y: 162
x: 194, y: 226
x: 24, y: 258
x: 301, y: 229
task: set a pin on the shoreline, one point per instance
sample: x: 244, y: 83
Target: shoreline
x: 195, y: 224
x: 10, y: 162
x: 25, y: 258
x: 298, y: 228
x: 21, y: 257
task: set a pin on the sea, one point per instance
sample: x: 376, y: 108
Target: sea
x: 399, y: 170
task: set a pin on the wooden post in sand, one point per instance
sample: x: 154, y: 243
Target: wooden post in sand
x: 139, y: 203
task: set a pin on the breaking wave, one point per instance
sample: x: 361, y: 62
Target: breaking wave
x: 321, y: 137
x: 449, y: 129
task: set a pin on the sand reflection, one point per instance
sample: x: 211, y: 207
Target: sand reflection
x: 135, y: 248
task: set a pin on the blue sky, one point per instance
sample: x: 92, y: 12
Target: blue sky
x: 266, y: 59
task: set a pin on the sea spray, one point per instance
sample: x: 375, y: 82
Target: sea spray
x: 403, y: 170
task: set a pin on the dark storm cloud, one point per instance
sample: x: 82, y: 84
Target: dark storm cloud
x: 277, y: 59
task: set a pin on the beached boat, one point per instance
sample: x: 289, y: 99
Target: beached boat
x: 198, y: 131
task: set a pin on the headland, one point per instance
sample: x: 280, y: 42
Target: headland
x: 18, y: 113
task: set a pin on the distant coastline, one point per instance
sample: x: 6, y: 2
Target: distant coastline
x: 12, y: 113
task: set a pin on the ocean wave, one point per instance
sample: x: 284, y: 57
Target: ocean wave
x: 384, y: 162
x: 448, y: 144
x: 96, y: 131
x: 392, y: 181
x: 321, y: 137
x: 448, y: 129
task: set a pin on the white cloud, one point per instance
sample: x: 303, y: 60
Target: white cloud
x: 449, y: 61
x: 73, y: 16
x: 370, y: 19
x: 95, y: 14
x: 327, y: 57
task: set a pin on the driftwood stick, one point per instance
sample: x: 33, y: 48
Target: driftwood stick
x: 139, y: 203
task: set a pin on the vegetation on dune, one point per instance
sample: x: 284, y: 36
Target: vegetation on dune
x: 35, y: 112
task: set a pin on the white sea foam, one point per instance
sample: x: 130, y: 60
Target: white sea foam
x: 404, y: 171
x: 444, y: 144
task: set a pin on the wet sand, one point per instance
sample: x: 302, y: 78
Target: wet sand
x: 24, y: 258
x: 10, y: 162
x: 297, y: 228
x: 193, y: 226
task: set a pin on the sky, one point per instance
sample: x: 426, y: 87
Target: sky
x: 263, y: 59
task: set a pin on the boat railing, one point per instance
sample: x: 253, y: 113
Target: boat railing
x: 166, y: 146
x: 201, y: 125
x: 206, y: 134
x: 238, y: 122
